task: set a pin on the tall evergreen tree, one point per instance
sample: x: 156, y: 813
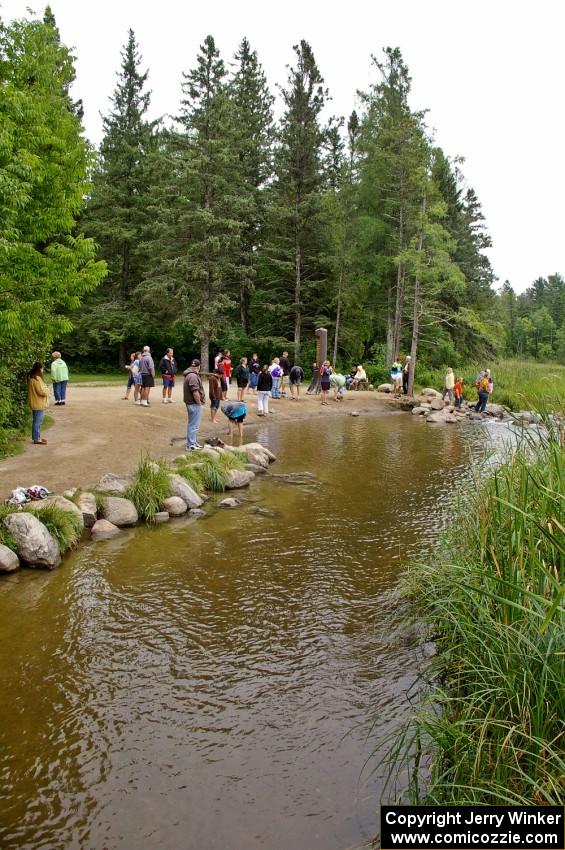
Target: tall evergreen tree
x: 116, y: 213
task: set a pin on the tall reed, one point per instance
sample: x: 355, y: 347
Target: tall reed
x: 491, y: 727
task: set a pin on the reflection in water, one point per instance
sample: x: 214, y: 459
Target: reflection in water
x: 209, y: 684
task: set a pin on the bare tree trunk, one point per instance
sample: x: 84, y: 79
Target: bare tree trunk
x: 205, y: 351
x: 389, y: 327
x: 297, y: 296
x: 338, y: 314
x: 399, y: 309
x: 417, y: 308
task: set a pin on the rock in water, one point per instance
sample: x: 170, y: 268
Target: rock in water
x: 181, y: 488
x: 87, y: 505
x: 9, y: 561
x: 175, y: 506
x: 111, y: 483
x: 437, y: 403
x: 104, y: 530
x: 161, y: 516
x: 119, y: 511
x: 257, y: 470
x: 228, y: 503
x: 34, y: 543
x: 56, y: 502
x: 420, y: 411
x: 237, y: 478
x: 198, y: 513
x: 354, y: 413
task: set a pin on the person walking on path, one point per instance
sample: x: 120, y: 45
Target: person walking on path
x: 242, y: 378
x: 325, y: 375
x: 483, y: 393
x: 147, y: 372
x: 458, y: 392
x: 215, y: 393
x: 284, y: 363
x: 168, y: 369
x: 38, y: 400
x: 264, y: 388
x: 254, y: 370
x: 236, y: 411
x: 449, y: 384
x: 59, y: 377
x: 276, y: 375
x: 194, y: 398
x: 295, y: 377
x: 406, y: 374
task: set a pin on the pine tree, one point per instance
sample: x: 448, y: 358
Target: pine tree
x: 253, y: 138
x: 296, y: 251
x: 116, y: 213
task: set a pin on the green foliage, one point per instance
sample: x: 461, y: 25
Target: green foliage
x: 233, y: 460
x: 149, y: 488
x: 6, y: 538
x: 209, y: 474
x: 193, y: 476
x: 493, y: 722
x: 64, y: 526
x: 214, y: 476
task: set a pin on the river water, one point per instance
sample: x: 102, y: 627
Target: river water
x: 210, y: 684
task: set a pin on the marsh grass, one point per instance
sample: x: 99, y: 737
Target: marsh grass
x: 192, y: 476
x: 491, y: 728
x: 233, y: 460
x: 205, y: 470
x: 149, y: 488
x: 64, y: 526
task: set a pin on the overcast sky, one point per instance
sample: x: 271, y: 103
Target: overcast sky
x: 490, y: 74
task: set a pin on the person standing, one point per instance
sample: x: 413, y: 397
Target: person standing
x: 396, y: 375
x: 490, y: 382
x: 458, y: 393
x: 215, y: 393
x: 130, y: 383
x: 242, y: 378
x: 483, y: 393
x: 226, y: 366
x: 284, y: 363
x: 59, y: 377
x: 295, y: 377
x: 137, y: 385
x: 194, y: 398
x: 406, y: 374
x: 325, y: 375
x: 147, y: 372
x: 254, y: 370
x: 38, y: 400
x: 217, y: 359
x: 276, y: 375
x: 264, y: 388
x: 449, y: 385
x: 168, y: 369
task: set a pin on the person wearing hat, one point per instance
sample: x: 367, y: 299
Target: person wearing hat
x: 194, y: 398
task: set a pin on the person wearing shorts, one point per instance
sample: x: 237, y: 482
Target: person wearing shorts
x: 235, y: 411
x: 254, y: 369
x: 242, y: 378
x: 215, y: 392
x: 325, y: 374
x: 147, y: 372
x: 295, y: 378
x: 168, y: 369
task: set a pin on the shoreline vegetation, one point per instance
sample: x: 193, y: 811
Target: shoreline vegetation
x: 490, y: 728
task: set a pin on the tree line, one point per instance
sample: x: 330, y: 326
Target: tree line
x: 225, y: 226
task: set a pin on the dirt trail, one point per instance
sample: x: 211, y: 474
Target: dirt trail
x: 98, y: 432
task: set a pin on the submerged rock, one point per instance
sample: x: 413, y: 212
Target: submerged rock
x: 34, y: 543
x: 161, y: 516
x: 9, y: 561
x: 198, y: 513
x: 175, y: 506
x: 119, y: 511
x: 104, y: 530
x: 237, y: 478
x: 256, y: 469
x: 229, y: 503
x: 181, y: 488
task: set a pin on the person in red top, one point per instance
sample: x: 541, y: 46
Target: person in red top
x: 458, y: 392
x: 226, y: 366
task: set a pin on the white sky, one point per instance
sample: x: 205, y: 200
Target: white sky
x: 490, y: 73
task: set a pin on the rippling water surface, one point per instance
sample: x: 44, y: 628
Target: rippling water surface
x: 209, y: 684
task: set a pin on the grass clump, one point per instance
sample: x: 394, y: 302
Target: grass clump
x: 492, y: 724
x: 214, y: 475
x: 149, y: 488
x: 233, y: 460
x: 192, y: 476
x: 6, y: 538
x: 64, y: 526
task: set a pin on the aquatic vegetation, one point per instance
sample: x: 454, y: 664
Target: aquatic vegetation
x: 491, y: 728
x: 149, y: 488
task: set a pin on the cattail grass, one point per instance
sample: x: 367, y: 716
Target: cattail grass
x: 491, y: 726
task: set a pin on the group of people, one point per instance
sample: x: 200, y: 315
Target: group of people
x: 141, y: 376
x: 38, y: 393
x: 453, y: 389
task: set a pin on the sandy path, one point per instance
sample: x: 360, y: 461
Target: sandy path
x: 97, y: 432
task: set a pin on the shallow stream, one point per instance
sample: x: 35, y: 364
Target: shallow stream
x: 209, y: 684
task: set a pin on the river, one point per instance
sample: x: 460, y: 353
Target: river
x: 209, y: 684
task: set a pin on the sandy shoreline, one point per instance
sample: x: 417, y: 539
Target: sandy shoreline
x: 98, y: 432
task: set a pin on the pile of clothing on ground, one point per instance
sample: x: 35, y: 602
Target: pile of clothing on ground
x: 21, y: 495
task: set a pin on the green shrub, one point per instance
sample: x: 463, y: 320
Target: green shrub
x: 64, y: 526
x: 149, y: 488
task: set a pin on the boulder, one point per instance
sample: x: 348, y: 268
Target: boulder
x: 437, y: 403
x: 87, y: 505
x: 252, y: 447
x: 450, y: 418
x: 198, y: 513
x: 119, y: 511
x: 237, y: 478
x: 354, y: 413
x: 181, y: 488
x: 161, y: 516
x: 436, y: 416
x: 385, y: 388
x: 56, y: 502
x: 429, y: 392
x: 255, y: 454
x: 495, y: 410
x: 68, y: 494
x: 9, y: 561
x: 111, y: 483
x: 34, y: 543
x: 175, y: 506
x: 255, y: 468
x: 228, y: 503
x: 420, y: 411
x: 212, y: 452
x: 104, y: 530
